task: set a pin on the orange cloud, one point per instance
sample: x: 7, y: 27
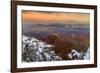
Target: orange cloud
x: 30, y: 16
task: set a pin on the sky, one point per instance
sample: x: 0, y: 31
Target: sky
x: 55, y: 17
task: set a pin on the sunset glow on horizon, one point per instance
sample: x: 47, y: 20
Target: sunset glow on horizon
x: 55, y: 17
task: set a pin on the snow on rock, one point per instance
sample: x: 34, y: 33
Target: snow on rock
x: 74, y: 54
x: 79, y: 55
x: 37, y: 50
x: 87, y: 54
x: 34, y: 50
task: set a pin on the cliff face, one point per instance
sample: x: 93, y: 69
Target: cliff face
x: 35, y: 50
x: 53, y: 48
x: 63, y: 45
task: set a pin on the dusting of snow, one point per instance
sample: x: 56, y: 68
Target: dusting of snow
x: 34, y: 50
x: 87, y: 54
x: 37, y: 50
x: 79, y: 55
